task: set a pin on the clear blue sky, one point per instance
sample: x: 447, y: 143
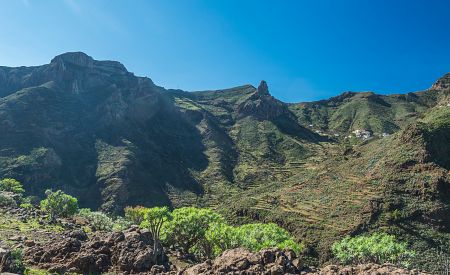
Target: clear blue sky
x: 305, y: 50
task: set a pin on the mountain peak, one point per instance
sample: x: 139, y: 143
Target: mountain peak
x: 76, y: 58
x: 82, y: 60
x: 442, y: 83
x: 263, y: 89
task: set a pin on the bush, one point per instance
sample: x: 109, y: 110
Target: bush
x: 33, y: 200
x: 16, y: 265
x: 135, y: 215
x: 206, y: 234
x: 121, y: 224
x: 27, y: 206
x: 7, y: 200
x: 11, y: 185
x: 258, y: 236
x: 58, y: 204
x: 218, y: 238
x: 377, y: 248
x: 98, y: 221
x: 34, y: 271
x: 188, y: 226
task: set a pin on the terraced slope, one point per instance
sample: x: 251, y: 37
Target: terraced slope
x: 398, y: 184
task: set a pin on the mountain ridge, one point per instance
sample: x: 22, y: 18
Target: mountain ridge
x: 113, y: 139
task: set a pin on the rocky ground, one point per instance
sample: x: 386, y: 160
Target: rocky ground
x: 277, y: 262
x: 66, y: 249
x: 120, y: 252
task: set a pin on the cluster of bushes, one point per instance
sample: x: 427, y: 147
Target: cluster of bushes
x: 376, y: 248
x: 204, y: 233
x: 99, y: 221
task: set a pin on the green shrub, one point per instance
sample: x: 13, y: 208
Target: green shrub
x: 58, y: 204
x: 26, y: 205
x: 34, y: 271
x: 16, y: 265
x: 98, y: 221
x: 11, y: 185
x: 378, y: 248
x: 206, y: 234
x: 7, y: 200
x: 218, y: 238
x: 189, y: 225
x: 136, y: 215
x: 258, y: 236
x: 121, y: 224
x: 33, y: 200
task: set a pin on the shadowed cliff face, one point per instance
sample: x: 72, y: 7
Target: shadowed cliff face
x: 95, y: 130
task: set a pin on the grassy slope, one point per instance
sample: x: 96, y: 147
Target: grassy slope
x: 352, y: 111
x: 390, y: 184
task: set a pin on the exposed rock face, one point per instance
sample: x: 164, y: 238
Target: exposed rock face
x: 262, y: 105
x: 263, y: 89
x: 241, y: 261
x: 278, y: 262
x: 442, y: 83
x: 128, y: 252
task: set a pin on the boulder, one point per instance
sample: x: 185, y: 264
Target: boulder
x: 242, y: 261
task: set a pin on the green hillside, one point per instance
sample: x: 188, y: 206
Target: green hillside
x: 112, y: 139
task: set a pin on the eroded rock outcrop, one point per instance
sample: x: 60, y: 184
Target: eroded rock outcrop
x: 126, y: 252
x: 262, y: 105
x: 278, y: 262
x: 241, y: 261
x: 442, y: 83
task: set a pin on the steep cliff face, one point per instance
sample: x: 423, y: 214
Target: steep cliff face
x: 103, y: 126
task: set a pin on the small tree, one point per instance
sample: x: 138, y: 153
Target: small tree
x: 136, y: 215
x: 11, y: 185
x: 154, y: 220
x: 58, y: 204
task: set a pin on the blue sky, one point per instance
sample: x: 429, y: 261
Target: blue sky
x: 305, y: 49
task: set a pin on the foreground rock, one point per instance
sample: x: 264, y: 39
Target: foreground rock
x: 277, y: 262
x: 241, y: 261
x: 122, y: 252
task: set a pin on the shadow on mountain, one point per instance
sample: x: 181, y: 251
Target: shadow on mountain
x: 287, y: 125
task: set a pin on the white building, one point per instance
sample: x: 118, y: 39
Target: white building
x: 362, y: 134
